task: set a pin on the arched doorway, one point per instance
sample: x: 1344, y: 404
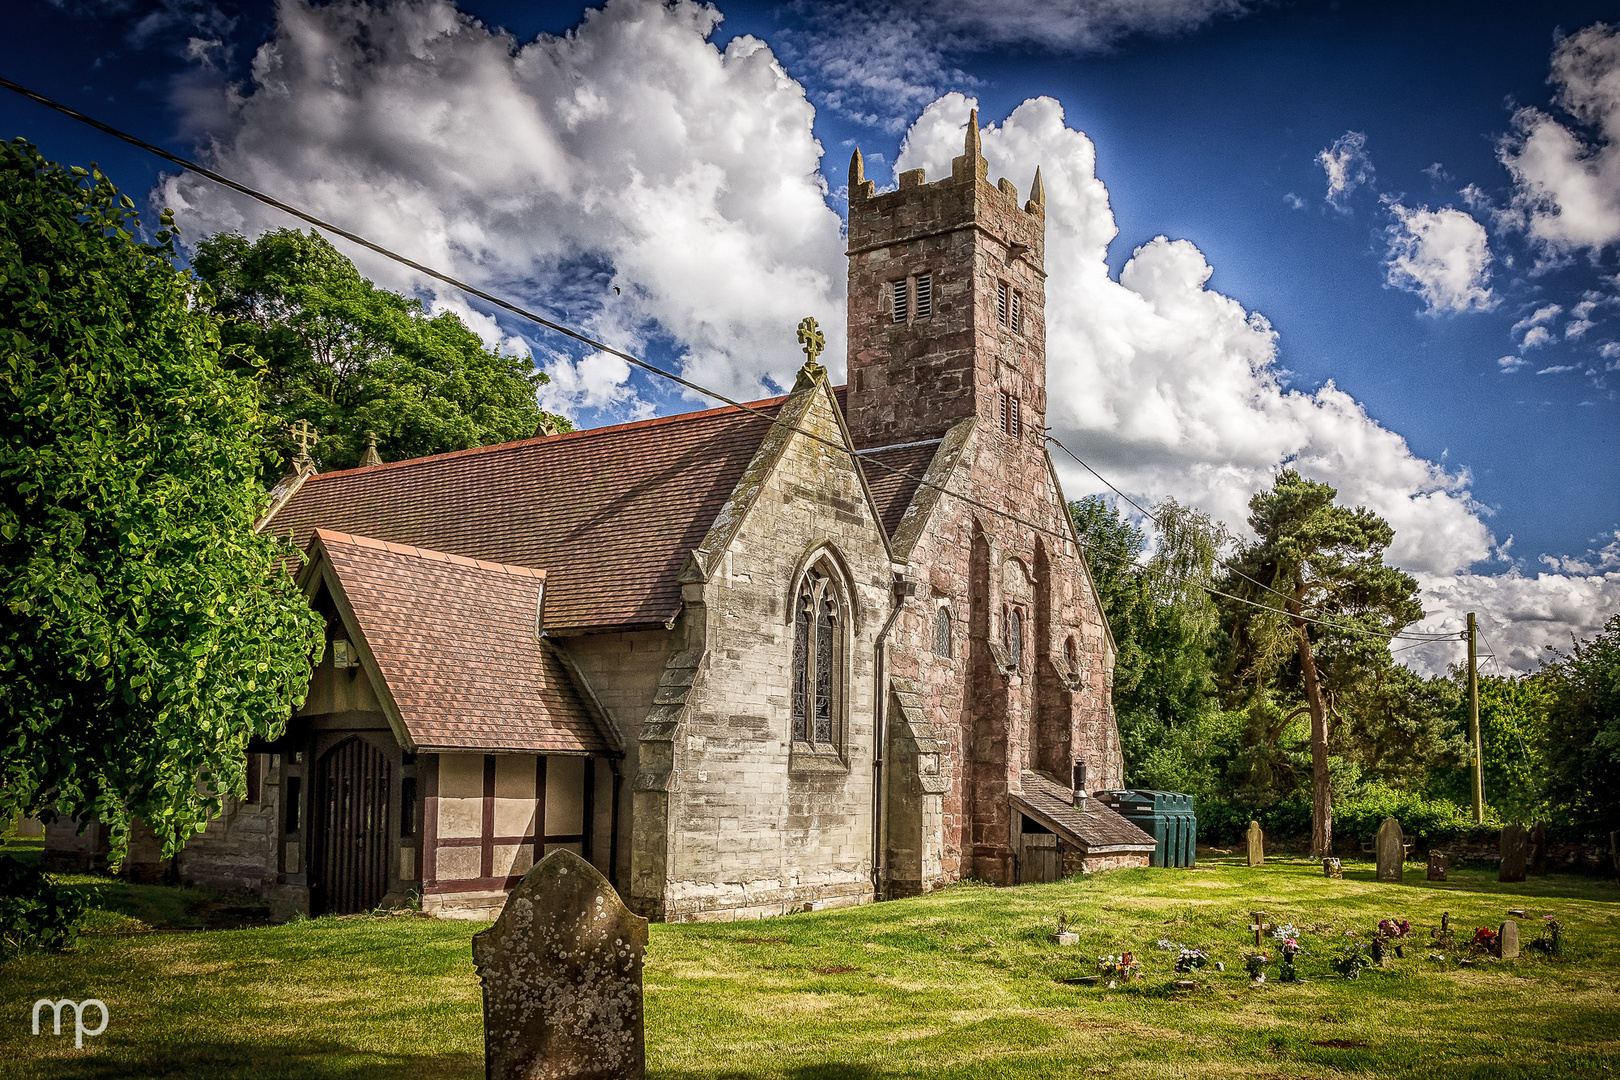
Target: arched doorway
x: 352, y: 838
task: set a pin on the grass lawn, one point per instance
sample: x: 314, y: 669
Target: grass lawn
x: 963, y: 983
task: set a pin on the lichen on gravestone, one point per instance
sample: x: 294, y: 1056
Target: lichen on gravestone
x: 561, y: 972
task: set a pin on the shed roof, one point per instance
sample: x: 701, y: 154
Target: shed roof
x: 454, y: 642
x: 1097, y: 828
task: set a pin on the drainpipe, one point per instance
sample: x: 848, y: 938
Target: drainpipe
x: 901, y: 589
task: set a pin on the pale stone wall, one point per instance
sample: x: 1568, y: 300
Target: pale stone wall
x: 757, y: 824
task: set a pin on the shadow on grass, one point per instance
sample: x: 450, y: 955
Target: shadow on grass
x: 306, y: 1060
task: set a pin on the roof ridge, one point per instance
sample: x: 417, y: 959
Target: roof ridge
x: 330, y: 536
x: 651, y: 421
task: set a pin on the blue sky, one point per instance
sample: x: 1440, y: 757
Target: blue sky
x: 1208, y: 120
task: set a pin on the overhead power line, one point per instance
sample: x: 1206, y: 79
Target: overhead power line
x: 584, y: 339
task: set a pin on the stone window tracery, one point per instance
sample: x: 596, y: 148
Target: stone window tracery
x: 942, y: 633
x: 817, y: 659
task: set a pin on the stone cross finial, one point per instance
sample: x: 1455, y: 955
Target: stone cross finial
x: 371, y: 457
x: 304, y: 436
x: 811, y: 338
x: 814, y: 341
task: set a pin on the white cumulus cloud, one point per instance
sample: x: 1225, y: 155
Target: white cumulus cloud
x: 1347, y: 165
x: 1169, y: 388
x: 630, y: 177
x: 1567, y: 178
x: 1441, y: 255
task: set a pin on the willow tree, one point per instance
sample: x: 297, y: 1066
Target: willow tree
x: 1314, y: 613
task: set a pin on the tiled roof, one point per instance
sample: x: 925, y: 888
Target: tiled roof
x: 892, y: 490
x: 1097, y: 828
x: 454, y: 639
x: 609, y: 513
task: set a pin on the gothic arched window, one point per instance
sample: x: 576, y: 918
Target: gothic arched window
x: 942, y: 633
x: 1015, y: 638
x: 817, y: 659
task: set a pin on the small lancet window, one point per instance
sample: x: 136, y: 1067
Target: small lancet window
x: 925, y: 296
x: 1016, y: 318
x: 817, y: 659
x: 1009, y: 416
x: 901, y: 305
x: 1015, y: 638
x: 942, y: 633
x: 1001, y: 302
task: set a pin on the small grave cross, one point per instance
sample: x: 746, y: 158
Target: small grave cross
x: 1259, y: 926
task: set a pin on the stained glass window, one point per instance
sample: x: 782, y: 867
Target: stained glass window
x: 817, y: 659
x: 1015, y: 638
x: 942, y: 632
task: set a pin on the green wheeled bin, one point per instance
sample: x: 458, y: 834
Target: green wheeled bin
x: 1167, y: 816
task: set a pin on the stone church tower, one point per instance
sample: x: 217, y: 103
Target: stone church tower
x: 1005, y: 649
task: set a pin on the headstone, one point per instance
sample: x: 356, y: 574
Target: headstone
x: 1259, y: 926
x: 1507, y: 940
x: 1438, y: 866
x: 1257, y: 844
x: 1332, y: 868
x: 1515, y: 852
x: 561, y: 970
x: 1391, y: 852
x: 1066, y: 937
x: 1538, y: 849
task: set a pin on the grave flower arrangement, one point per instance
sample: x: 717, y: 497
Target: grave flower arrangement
x: 1484, y: 940
x: 1114, y: 968
x: 1255, y: 964
x: 1551, y: 940
x: 1394, y: 928
x: 1191, y: 960
x: 1352, y: 960
x: 1290, y: 949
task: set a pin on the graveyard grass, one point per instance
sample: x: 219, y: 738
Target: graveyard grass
x: 963, y: 983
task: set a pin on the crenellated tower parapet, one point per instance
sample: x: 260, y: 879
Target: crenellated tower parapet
x: 947, y: 301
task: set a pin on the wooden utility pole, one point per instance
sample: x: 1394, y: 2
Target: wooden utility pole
x: 1473, y: 724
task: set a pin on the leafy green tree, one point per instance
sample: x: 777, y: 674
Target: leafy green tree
x: 1163, y: 623
x: 146, y: 632
x: 1582, y: 748
x: 1400, y: 728
x: 350, y: 358
x: 1313, y: 560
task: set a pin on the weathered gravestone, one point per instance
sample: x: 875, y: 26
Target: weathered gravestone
x: 561, y: 970
x: 1538, y: 849
x: 1391, y: 850
x: 1257, y: 844
x: 1507, y: 940
x: 1438, y: 866
x: 1515, y: 851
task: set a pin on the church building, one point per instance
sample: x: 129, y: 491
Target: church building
x: 823, y: 649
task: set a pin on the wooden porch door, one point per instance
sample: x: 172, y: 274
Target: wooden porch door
x: 352, y: 838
